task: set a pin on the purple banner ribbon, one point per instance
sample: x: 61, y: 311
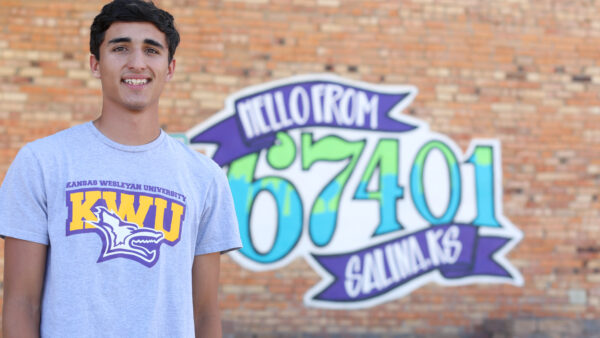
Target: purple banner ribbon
x: 456, y: 250
x: 297, y: 105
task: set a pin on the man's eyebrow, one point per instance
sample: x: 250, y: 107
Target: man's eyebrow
x: 151, y: 42
x: 119, y: 40
x: 154, y: 43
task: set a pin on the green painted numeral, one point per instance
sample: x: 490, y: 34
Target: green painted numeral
x: 385, y: 157
x: 417, y: 186
x: 483, y: 161
x: 289, y: 208
x: 323, y: 216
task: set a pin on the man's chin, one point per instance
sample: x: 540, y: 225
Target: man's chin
x: 136, y: 107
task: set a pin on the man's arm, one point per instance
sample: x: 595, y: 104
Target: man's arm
x: 205, y: 279
x: 24, y: 270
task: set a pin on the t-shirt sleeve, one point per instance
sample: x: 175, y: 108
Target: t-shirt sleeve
x: 218, y: 231
x: 23, y: 207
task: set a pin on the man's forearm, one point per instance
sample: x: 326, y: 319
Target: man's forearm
x: 205, y: 282
x: 24, y: 270
x: 20, y: 319
x: 208, y: 326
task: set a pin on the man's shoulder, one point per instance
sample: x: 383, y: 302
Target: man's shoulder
x: 193, y: 159
x: 190, y: 154
x: 58, y: 141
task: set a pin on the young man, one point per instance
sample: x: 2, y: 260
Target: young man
x: 113, y: 228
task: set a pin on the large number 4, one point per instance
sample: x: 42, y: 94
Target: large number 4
x: 385, y: 157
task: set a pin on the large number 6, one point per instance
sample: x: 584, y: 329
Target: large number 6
x: 289, y: 208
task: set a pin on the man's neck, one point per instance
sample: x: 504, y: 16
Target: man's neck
x: 129, y: 128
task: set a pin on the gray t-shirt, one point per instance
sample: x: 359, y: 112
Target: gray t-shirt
x: 122, y: 225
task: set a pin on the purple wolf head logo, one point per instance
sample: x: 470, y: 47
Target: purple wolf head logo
x: 124, y: 239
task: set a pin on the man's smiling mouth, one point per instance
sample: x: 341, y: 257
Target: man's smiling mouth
x: 136, y: 82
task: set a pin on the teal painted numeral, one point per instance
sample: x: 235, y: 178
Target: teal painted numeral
x: 385, y: 157
x: 483, y: 161
x: 323, y: 216
x: 417, y: 187
x: 289, y: 208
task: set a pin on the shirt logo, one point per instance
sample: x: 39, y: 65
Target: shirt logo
x: 132, y: 223
x: 124, y: 239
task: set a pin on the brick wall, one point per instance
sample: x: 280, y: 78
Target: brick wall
x: 525, y: 72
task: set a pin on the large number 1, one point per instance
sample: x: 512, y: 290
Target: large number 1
x: 483, y: 161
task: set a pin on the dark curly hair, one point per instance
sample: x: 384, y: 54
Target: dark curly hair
x: 133, y: 11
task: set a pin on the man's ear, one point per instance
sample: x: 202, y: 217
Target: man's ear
x: 171, y: 70
x: 95, y: 66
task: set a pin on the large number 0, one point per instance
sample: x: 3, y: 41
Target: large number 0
x: 289, y: 208
x: 323, y: 216
x: 385, y: 157
x: 417, y: 186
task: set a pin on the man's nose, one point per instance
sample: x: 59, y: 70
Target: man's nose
x: 136, y: 60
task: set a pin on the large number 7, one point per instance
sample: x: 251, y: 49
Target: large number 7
x: 323, y: 216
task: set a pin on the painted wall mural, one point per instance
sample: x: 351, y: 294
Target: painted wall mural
x: 331, y: 170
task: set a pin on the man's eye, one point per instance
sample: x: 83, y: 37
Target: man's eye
x: 119, y: 49
x: 151, y: 51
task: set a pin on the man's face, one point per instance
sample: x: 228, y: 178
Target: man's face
x: 133, y: 66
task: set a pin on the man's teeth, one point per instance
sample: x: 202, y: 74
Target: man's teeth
x: 136, y: 82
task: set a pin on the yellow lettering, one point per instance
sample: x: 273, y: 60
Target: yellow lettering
x: 159, y: 220
x: 126, y: 210
x: 110, y: 197
x: 173, y: 234
x: 83, y: 202
x: 82, y: 210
